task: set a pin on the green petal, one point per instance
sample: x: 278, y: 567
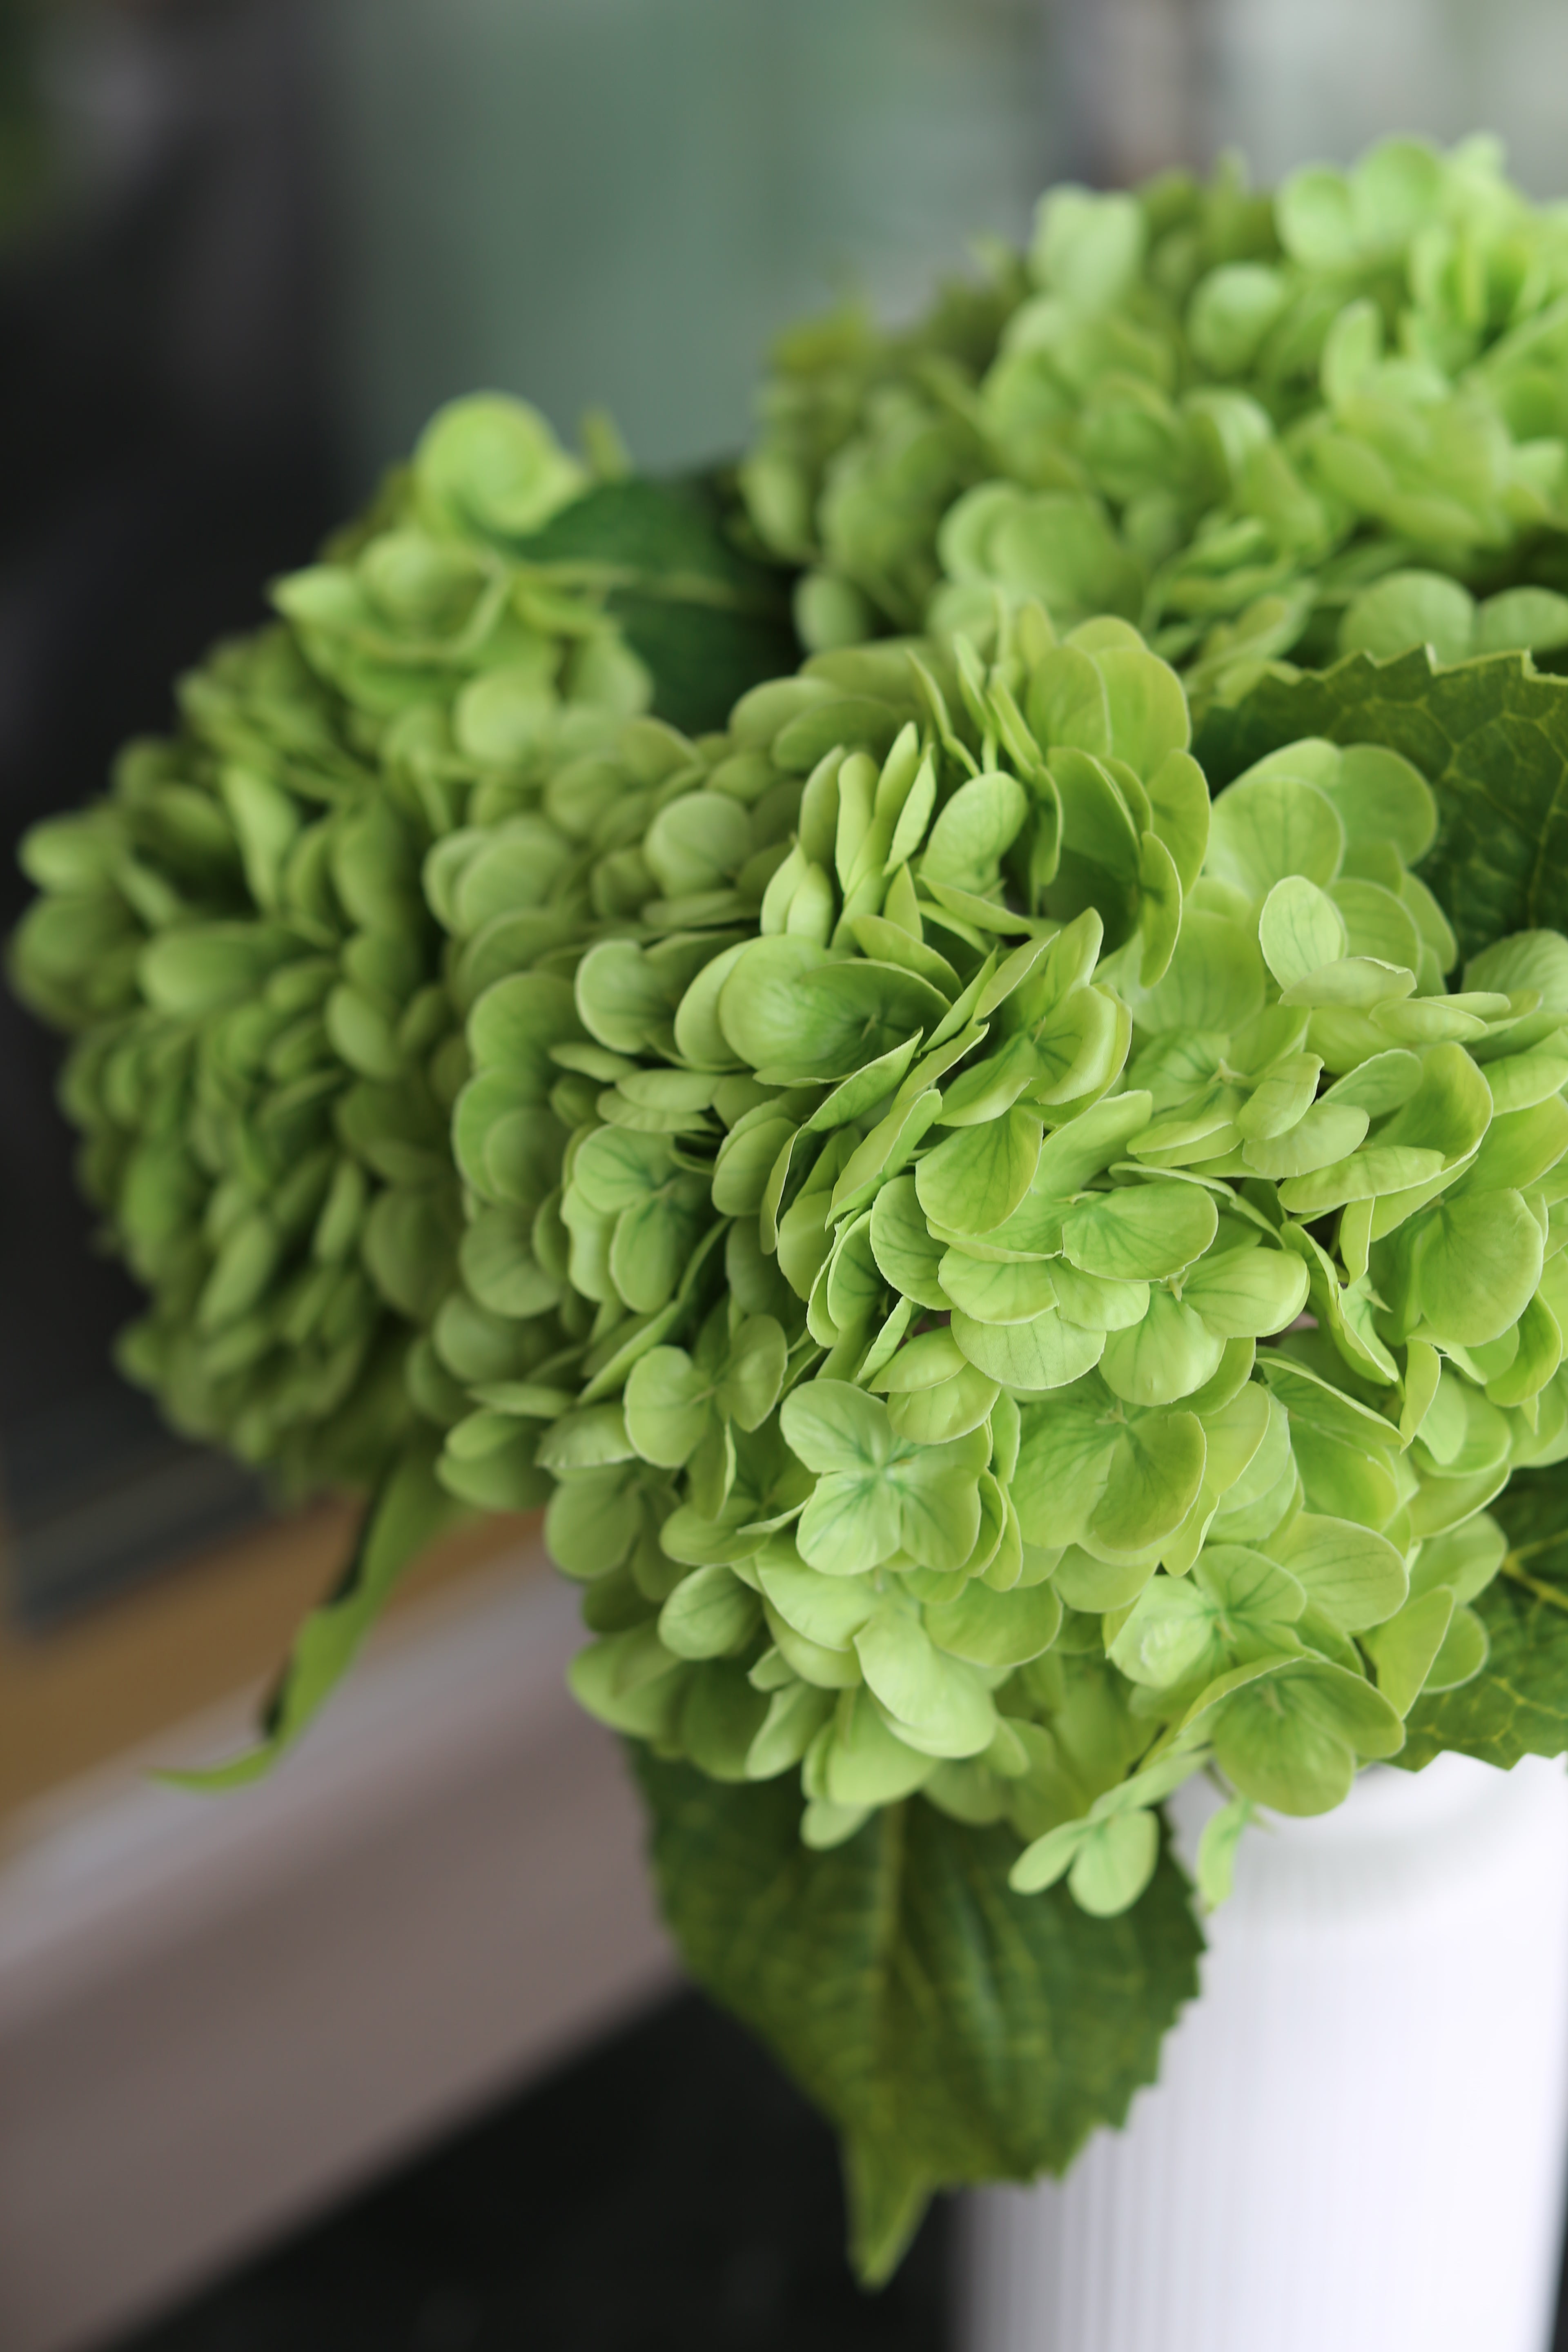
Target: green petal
x: 975, y: 1178
x: 1140, y: 1233
x: 1047, y: 1353
x: 1168, y: 1355
x: 938, y: 1697
x: 1476, y: 1263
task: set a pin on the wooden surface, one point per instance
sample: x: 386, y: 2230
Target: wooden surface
x: 217, y: 2016
x: 109, y: 1681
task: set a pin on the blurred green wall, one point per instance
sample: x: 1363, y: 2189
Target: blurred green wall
x: 619, y: 201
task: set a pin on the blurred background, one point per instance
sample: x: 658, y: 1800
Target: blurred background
x: 245, y: 246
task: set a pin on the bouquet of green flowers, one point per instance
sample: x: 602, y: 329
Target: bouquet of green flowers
x: 1005, y: 1187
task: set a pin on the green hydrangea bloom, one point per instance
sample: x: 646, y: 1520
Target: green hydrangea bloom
x: 1253, y: 424
x: 269, y: 1048
x: 1050, y: 1276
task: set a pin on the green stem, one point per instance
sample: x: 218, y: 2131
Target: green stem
x: 1516, y: 1575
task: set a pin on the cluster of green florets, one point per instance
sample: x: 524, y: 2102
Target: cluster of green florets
x: 1015, y: 1280
x: 1332, y: 417
x: 269, y: 1049
x: 1019, y: 1278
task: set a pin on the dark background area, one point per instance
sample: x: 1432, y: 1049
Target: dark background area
x: 163, y: 401
x: 669, y: 2193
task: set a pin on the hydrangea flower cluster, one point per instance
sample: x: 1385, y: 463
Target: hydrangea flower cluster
x: 1253, y: 423
x: 268, y: 1049
x: 1020, y: 1279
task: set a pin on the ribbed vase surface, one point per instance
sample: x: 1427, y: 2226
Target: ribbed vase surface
x: 1357, y: 2142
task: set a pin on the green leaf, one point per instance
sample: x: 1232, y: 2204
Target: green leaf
x: 753, y: 1372
x: 880, y: 1492
x: 953, y: 2030
x: 491, y: 465
x: 1537, y: 960
x: 867, y: 1086
x: 1489, y: 736
x: 698, y: 842
x: 408, y: 1512
x: 653, y: 1242
x: 1518, y: 1703
x: 794, y: 1717
x: 747, y: 1158
x: 863, y: 1760
x: 630, y: 1682
x: 1463, y: 1653
x: 1067, y: 703
x: 1149, y: 718
x: 850, y: 1524
x: 1097, y: 1305
x: 938, y: 1499
x: 590, y: 1438
x: 497, y: 1263
x: 708, y: 621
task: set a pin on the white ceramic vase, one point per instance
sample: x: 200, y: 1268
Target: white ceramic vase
x: 1357, y: 2142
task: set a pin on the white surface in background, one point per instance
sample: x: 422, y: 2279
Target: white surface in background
x: 1357, y: 2140
x: 217, y: 2012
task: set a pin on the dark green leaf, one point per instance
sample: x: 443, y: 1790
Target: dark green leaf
x: 1489, y: 736
x: 953, y: 2030
x: 408, y: 1513
x: 1517, y: 1704
x: 709, y: 623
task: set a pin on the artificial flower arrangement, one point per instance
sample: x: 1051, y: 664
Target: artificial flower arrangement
x: 1004, y: 1187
